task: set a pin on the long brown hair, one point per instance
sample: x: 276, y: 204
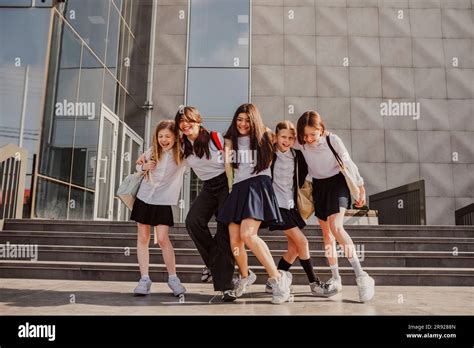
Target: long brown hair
x: 260, y: 139
x: 157, y: 150
x: 201, y: 144
x: 311, y: 119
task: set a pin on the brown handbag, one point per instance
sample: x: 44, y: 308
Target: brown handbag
x: 350, y: 180
x: 305, y: 202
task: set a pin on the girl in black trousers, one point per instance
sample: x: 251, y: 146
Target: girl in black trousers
x: 203, y: 152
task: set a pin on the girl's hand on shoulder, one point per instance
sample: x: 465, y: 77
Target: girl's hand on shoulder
x: 150, y: 165
x: 141, y: 160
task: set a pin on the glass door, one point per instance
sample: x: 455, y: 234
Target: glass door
x: 132, y: 147
x: 106, y: 161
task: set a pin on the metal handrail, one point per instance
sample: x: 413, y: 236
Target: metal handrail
x: 13, y: 163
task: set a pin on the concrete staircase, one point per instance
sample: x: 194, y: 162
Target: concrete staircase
x: 92, y: 250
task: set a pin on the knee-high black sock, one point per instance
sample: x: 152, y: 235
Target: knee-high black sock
x: 308, y: 268
x: 284, y: 265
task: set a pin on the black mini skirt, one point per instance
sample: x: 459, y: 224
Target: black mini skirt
x: 329, y: 195
x: 251, y: 198
x: 291, y: 219
x: 150, y: 214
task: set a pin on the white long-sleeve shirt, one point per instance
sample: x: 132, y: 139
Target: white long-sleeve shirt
x: 283, y: 172
x: 247, y: 161
x: 164, y: 183
x: 205, y: 168
x: 321, y: 161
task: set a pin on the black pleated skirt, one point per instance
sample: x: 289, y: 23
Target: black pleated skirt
x: 251, y: 198
x: 329, y: 194
x: 291, y: 219
x: 150, y: 214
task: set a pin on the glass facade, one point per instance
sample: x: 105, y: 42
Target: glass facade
x: 96, y: 90
x: 24, y: 34
x: 218, y: 59
x: 80, y: 67
x: 218, y: 63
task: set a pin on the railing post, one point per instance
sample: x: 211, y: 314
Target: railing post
x: 15, y: 160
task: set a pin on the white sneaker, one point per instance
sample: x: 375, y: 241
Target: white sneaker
x: 335, y: 284
x: 366, y: 286
x: 269, y: 289
x: 243, y: 284
x: 281, y: 287
x: 206, y: 276
x: 175, y: 285
x: 321, y: 289
x: 143, y: 287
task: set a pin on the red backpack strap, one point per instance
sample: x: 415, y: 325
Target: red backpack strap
x: 216, y: 141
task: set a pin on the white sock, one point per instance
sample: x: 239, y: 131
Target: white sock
x: 356, y: 266
x: 334, y: 271
x: 172, y: 276
x: 145, y: 276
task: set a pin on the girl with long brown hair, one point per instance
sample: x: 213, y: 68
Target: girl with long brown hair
x: 252, y: 202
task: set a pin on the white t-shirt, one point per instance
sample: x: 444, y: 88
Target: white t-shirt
x: 247, y: 160
x: 321, y: 161
x: 204, y: 168
x: 283, y: 172
x: 164, y: 183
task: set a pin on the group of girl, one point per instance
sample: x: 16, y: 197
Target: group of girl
x: 250, y: 181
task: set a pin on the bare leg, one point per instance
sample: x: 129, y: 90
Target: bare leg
x: 166, y: 248
x: 342, y: 237
x: 143, y: 242
x: 299, y: 240
x: 292, y: 252
x: 248, y: 233
x: 238, y: 249
x: 329, y: 243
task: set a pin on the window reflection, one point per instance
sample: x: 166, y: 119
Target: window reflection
x: 81, y: 206
x: 51, y: 200
x: 113, y: 40
x: 87, y: 124
x: 217, y: 92
x: 58, y: 133
x: 219, y: 33
x: 89, y: 18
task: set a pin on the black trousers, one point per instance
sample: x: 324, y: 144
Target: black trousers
x: 215, y: 251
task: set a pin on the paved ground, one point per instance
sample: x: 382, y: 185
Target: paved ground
x: 60, y: 297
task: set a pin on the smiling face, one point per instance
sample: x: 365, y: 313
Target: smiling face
x: 243, y: 124
x: 312, y: 135
x: 285, y: 139
x: 190, y: 129
x: 166, y: 139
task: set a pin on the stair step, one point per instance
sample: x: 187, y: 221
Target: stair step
x: 191, y: 256
x: 95, y: 250
x: 179, y: 228
x: 277, y: 242
x: 192, y: 273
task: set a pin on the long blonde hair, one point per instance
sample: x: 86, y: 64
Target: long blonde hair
x: 157, y: 150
